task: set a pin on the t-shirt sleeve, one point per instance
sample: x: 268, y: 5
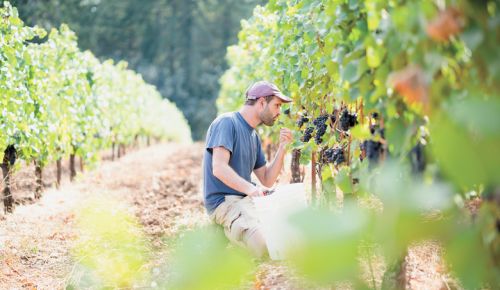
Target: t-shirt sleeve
x: 221, y: 134
x: 261, y: 159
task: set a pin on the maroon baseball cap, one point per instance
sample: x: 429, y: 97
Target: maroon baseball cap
x: 264, y: 89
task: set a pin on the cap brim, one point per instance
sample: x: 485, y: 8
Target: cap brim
x: 283, y: 98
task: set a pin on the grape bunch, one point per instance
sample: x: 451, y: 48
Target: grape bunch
x: 334, y: 155
x: 333, y: 117
x: 417, y: 158
x: 307, y: 134
x: 319, y: 134
x: 376, y: 129
x: 302, y: 120
x: 320, y: 120
x: 348, y: 120
x: 373, y: 150
x: 320, y: 128
x: 287, y: 112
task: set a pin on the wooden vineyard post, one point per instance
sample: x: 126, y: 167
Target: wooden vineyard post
x: 58, y: 173
x: 349, y: 151
x: 268, y: 148
x: 113, y: 151
x: 81, y: 164
x: 384, y: 151
x: 38, y: 181
x: 295, y: 166
x: 313, y: 176
x: 72, y: 171
x: 9, y: 159
x: 119, y: 150
x: 124, y: 149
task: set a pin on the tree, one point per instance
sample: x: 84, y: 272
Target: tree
x: 179, y: 46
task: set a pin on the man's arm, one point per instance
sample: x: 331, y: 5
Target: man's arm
x: 268, y: 174
x: 222, y: 170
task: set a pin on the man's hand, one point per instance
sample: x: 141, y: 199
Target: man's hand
x: 257, y: 191
x: 285, y: 137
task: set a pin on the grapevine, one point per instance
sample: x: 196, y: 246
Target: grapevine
x: 413, y: 66
x: 58, y: 101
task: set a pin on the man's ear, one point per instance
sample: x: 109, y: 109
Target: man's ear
x: 262, y: 102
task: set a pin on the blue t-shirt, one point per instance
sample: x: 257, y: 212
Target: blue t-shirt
x: 232, y: 132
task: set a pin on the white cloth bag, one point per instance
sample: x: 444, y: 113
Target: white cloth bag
x: 273, y: 212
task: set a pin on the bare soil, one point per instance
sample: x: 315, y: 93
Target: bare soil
x: 162, y: 186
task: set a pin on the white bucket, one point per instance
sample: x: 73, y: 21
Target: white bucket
x: 273, y: 212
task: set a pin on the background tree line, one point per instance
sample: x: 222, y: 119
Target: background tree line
x: 177, y: 45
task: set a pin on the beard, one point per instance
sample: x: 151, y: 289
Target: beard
x: 267, y: 118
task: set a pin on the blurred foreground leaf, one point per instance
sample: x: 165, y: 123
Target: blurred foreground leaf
x: 465, y: 142
x: 468, y: 258
x: 413, y: 210
x: 331, y: 243
x: 203, y: 260
x: 111, y: 247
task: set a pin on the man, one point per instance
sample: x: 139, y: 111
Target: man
x: 233, y: 151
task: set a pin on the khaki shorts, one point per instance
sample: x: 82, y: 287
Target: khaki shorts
x: 237, y: 216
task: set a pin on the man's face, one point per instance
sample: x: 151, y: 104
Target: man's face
x: 271, y: 111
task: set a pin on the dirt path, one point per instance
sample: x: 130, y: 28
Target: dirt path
x: 161, y: 186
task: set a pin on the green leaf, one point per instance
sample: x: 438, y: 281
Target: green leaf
x: 481, y: 116
x: 194, y: 256
x: 472, y: 36
x: 396, y: 132
x: 343, y: 180
x: 361, y: 132
x: 349, y: 72
x: 331, y: 245
x: 461, y: 259
x: 456, y: 152
x: 374, y: 55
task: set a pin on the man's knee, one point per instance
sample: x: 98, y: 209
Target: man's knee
x: 257, y: 244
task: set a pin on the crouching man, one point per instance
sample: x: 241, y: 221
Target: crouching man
x: 233, y: 151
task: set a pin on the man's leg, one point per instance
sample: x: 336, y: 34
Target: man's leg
x: 237, y: 216
x: 256, y: 243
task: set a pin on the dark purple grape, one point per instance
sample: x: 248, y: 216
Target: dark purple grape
x: 374, y: 129
x: 333, y: 119
x: 327, y: 155
x: 373, y: 150
x: 348, y: 120
x: 417, y: 158
x: 320, y: 130
x: 344, y: 121
x: 321, y: 120
x: 307, y: 134
x: 334, y: 155
x: 301, y: 121
x: 338, y: 156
